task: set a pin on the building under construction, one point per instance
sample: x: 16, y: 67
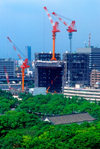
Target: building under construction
x: 50, y: 74
x: 43, y: 56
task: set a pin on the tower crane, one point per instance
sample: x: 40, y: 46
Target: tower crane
x: 7, y: 78
x: 8, y: 82
x: 70, y: 29
x: 25, y: 63
x: 54, y: 31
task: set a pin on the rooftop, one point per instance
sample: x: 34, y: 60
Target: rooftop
x: 68, y: 119
x: 40, y: 63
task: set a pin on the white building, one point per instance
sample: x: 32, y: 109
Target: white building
x: 87, y: 93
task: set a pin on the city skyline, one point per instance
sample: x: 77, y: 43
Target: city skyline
x: 27, y: 24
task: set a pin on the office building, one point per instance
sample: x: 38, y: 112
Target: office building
x: 94, y: 57
x: 94, y: 63
x: 7, y: 65
x: 77, y: 68
x: 28, y: 51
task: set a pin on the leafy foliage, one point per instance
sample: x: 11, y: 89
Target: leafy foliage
x: 15, y: 120
x: 7, y: 102
x: 23, y: 129
x: 58, y: 104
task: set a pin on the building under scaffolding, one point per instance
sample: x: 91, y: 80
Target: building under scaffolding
x: 50, y: 74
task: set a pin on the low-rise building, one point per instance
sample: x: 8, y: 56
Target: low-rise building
x: 87, y: 93
x: 70, y: 118
x: 95, y: 78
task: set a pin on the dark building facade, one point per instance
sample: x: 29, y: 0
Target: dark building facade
x: 77, y: 68
x: 50, y: 74
x: 9, y: 66
x: 46, y: 56
x: 94, y: 61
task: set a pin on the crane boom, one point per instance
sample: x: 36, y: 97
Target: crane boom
x: 49, y: 16
x: 60, y: 19
x: 70, y: 29
x: 7, y: 77
x: 16, y: 48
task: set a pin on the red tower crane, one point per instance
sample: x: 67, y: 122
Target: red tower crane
x: 70, y: 29
x: 7, y: 78
x: 47, y: 91
x: 25, y: 63
x: 54, y: 31
x: 23, y: 67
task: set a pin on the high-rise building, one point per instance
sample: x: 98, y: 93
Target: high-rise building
x: 94, y: 57
x: 77, y: 68
x: 28, y: 51
x: 94, y: 63
x: 9, y: 65
x: 46, y: 56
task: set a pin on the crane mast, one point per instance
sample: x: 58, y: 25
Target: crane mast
x: 54, y: 31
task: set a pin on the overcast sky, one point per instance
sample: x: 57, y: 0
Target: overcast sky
x: 26, y: 23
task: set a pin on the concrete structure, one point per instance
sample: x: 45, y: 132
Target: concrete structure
x: 77, y: 68
x: 46, y: 56
x: 70, y: 118
x: 9, y: 65
x: 87, y: 93
x: 50, y: 74
x: 37, y: 91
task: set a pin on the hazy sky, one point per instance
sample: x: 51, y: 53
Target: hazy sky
x: 26, y: 23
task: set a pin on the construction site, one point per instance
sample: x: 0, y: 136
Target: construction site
x: 52, y: 73
x: 49, y: 70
